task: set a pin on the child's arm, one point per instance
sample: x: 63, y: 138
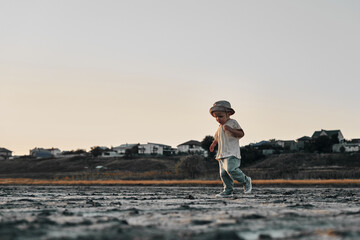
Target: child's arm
x: 213, y: 145
x: 238, y: 133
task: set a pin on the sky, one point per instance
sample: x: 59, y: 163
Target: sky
x: 83, y: 73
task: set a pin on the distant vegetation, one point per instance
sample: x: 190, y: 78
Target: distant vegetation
x: 315, y: 162
x: 276, y: 166
x: 322, y: 144
x: 190, y: 167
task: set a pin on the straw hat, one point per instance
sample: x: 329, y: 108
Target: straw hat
x: 221, y: 106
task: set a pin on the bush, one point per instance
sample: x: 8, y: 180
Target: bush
x: 250, y: 155
x: 190, y: 166
x: 205, y: 144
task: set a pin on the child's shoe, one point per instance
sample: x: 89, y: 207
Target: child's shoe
x: 225, y: 194
x: 248, y: 186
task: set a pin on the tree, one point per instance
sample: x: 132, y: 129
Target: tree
x: 334, y: 138
x: 249, y: 155
x: 190, y: 166
x: 97, y: 151
x: 205, y: 144
x: 342, y: 149
x: 131, y: 151
x: 323, y: 144
x: 78, y: 151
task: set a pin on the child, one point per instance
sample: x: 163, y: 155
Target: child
x: 227, y: 137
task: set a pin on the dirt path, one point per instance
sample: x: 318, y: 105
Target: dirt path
x: 147, y: 212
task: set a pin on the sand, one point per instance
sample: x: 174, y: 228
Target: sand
x: 165, y: 212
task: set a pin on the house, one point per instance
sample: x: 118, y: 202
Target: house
x: 123, y: 147
x: 40, y: 153
x: 45, y: 153
x: 355, y: 140
x: 330, y: 134
x: 302, y: 142
x: 110, y: 153
x: 266, y: 147
x: 346, y: 147
x: 288, y: 145
x: 191, y: 146
x: 5, y: 153
x: 155, y: 149
x: 261, y: 143
x: 54, y: 151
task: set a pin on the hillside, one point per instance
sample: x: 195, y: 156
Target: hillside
x: 307, y: 166
x: 84, y: 167
x: 286, y: 166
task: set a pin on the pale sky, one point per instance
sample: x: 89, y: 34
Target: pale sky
x: 80, y: 73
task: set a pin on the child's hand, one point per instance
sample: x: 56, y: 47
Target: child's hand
x: 238, y: 133
x: 228, y: 128
x: 212, y: 146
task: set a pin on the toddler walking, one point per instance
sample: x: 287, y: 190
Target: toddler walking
x: 227, y: 138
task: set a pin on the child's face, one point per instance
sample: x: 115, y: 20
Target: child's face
x: 221, y: 117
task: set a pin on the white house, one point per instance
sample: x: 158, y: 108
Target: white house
x: 154, y: 149
x: 5, y: 153
x: 289, y: 145
x: 54, y: 151
x: 191, y: 146
x: 346, y: 147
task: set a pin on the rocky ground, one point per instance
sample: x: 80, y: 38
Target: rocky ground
x: 149, y: 212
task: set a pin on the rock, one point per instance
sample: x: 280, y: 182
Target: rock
x: 191, y: 197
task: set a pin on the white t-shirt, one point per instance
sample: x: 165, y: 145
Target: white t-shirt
x: 228, y: 145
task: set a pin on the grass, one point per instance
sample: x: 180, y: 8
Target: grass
x: 29, y: 181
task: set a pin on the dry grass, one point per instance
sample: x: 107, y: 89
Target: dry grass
x: 309, y: 181
x: 115, y: 175
x: 29, y: 181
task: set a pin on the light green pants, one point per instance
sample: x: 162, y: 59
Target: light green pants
x: 230, y: 171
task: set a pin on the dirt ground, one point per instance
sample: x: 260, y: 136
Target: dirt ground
x: 149, y: 212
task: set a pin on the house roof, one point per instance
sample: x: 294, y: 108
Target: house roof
x: 191, y: 142
x: 45, y: 149
x: 40, y: 150
x: 304, y: 138
x: 126, y: 146
x: 260, y: 143
x: 53, y: 149
x: 5, y: 150
x: 285, y: 141
x: 328, y: 133
x: 157, y: 144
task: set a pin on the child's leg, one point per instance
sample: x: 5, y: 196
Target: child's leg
x: 234, y: 171
x: 228, y: 182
